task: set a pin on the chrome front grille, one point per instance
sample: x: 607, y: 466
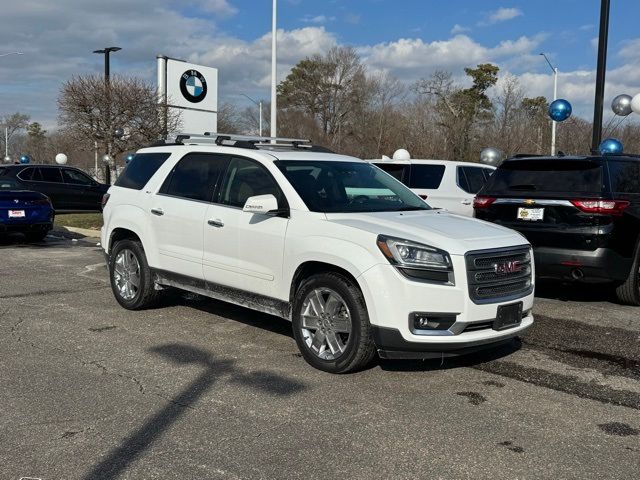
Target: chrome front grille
x: 499, y: 274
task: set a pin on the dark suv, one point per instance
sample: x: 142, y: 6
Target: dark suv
x: 581, y: 214
x: 69, y: 188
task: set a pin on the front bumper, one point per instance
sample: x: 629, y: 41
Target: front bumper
x: 392, y: 345
x: 596, y: 266
x: 391, y: 300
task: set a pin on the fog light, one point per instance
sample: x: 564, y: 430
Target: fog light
x: 432, y: 321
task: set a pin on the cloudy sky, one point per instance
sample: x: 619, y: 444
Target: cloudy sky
x: 408, y: 38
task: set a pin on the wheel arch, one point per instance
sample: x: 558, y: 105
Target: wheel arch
x: 311, y: 267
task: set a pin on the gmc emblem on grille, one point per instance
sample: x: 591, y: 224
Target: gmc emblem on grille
x: 508, y: 267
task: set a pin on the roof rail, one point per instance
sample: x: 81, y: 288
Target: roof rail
x: 253, y: 142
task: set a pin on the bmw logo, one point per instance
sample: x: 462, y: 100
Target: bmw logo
x: 193, y: 86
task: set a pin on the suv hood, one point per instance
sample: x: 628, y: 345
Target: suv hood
x: 454, y: 233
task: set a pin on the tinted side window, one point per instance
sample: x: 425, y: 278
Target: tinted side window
x: 50, y: 174
x: 426, y: 176
x: 476, y: 177
x: 75, y: 177
x: 625, y: 176
x: 140, y: 170
x: 399, y: 172
x: 195, y: 177
x: 245, y: 178
x: 28, y: 174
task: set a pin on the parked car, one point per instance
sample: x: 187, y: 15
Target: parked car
x: 350, y: 255
x: 442, y: 183
x: 30, y: 213
x: 581, y: 214
x: 68, y: 188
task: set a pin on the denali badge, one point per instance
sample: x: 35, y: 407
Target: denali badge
x: 508, y: 267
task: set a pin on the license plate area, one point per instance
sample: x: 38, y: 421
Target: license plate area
x: 508, y: 316
x: 16, y: 214
x: 530, y: 214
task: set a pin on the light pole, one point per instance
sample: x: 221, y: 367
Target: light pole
x: 106, y: 51
x: 555, y: 96
x: 259, y: 104
x: 273, y: 70
x: 6, y: 129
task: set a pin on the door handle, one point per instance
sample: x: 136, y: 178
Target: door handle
x: 466, y: 202
x: 157, y: 211
x: 216, y: 222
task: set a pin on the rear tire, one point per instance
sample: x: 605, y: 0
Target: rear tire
x: 629, y: 292
x: 130, y: 276
x: 331, y: 324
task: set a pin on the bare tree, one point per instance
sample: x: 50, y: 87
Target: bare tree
x: 14, y: 125
x: 91, y: 109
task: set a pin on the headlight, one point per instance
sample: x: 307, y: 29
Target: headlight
x: 405, y: 253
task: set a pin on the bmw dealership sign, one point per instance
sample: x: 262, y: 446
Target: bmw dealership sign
x: 193, y: 90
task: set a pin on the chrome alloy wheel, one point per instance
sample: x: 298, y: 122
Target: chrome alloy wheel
x: 326, y: 323
x: 126, y: 274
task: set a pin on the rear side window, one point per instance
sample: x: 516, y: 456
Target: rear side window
x: 75, y: 177
x: 552, y: 176
x: 472, y: 179
x: 50, y: 174
x: 426, y: 176
x: 140, y: 169
x: 625, y: 176
x: 399, y: 172
x: 194, y: 177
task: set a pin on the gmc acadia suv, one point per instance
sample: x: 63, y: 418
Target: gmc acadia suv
x: 581, y: 214
x: 346, y: 252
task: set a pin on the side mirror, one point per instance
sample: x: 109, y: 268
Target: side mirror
x: 264, y: 204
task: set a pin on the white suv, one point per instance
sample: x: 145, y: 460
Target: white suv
x: 442, y: 183
x: 351, y: 256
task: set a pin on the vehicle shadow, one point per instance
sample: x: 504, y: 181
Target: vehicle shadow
x: 575, y: 292
x: 448, y: 363
x: 118, y: 459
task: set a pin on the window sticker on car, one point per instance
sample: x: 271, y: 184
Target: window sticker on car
x: 530, y: 214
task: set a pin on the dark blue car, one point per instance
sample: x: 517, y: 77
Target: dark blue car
x: 24, y: 211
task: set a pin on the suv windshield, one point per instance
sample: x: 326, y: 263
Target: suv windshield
x: 546, y: 175
x: 331, y: 187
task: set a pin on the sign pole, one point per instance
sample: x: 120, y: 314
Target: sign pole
x: 600, y: 75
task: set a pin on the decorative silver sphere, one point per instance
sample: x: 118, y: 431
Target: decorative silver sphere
x: 491, y: 156
x: 621, y: 105
x: 61, y: 159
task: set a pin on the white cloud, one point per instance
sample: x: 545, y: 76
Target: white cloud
x: 630, y: 50
x: 501, y: 15
x: 318, y: 19
x: 219, y: 7
x: 459, y: 29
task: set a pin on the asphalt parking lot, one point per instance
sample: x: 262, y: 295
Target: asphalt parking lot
x: 199, y: 389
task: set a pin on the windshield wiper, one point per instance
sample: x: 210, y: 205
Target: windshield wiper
x: 410, y: 209
x: 524, y: 186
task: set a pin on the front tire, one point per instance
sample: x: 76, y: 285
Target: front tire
x: 629, y: 292
x: 331, y: 324
x: 130, y: 275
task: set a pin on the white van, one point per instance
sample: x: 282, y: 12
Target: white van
x: 442, y: 183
